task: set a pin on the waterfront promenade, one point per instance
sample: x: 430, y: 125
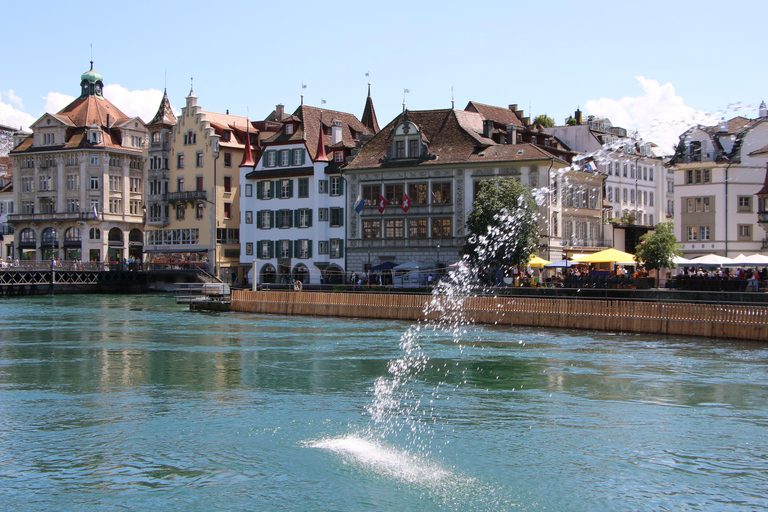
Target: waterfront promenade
x: 743, y: 321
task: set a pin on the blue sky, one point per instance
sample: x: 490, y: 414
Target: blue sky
x: 652, y: 66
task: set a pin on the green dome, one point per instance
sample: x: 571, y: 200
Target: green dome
x: 91, y: 76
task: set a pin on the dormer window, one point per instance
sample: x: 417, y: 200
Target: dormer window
x: 338, y: 156
x: 226, y: 136
x: 407, y: 142
x: 49, y: 138
x: 289, y: 129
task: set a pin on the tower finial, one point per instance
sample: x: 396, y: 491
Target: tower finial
x: 191, y: 85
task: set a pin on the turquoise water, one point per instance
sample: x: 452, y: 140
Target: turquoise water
x: 133, y: 403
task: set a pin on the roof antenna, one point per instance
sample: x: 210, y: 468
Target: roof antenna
x: 453, y: 104
x: 91, y: 56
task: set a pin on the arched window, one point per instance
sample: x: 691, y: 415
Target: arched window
x: 28, y: 235
x: 94, y: 234
x: 72, y: 235
x: 116, y: 235
x: 50, y: 236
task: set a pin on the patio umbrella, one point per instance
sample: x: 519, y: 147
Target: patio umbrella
x: 680, y: 261
x: 537, y: 262
x: 561, y: 264
x: 752, y: 259
x: 608, y: 256
x: 712, y: 260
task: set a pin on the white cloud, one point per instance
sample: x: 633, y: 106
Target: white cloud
x: 15, y: 99
x: 141, y: 103
x: 55, y: 101
x: 13, y: 117
x: 659, y: 115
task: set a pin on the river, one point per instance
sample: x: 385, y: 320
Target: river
x: 133, y: 403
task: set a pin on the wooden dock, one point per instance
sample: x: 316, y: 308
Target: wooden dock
x: 735, y: 321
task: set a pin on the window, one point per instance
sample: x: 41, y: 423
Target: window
x: 180, y: 211
x: 417, y: 228
x: 338, y: 156
x: 94, y: 183
x: 441, y: 227
x: 393, y: 193
x: 418, y: 193
x: 624, y: 195
x: 271, y: 159
x: 180, y: 161
x: 745, y: 203
x: 286, y: 189
x: 285, y: 156
x: 322, y: 214
x: 94, y: 234
x: 625, y: 170
x: 303, y: 249
x: 670, y: 186
x: 337, y: 217
x: 135, y: 184
x: 199, y: 210
x: 73, y: 205
x: 304, y: 218
x: 249, y: 248
x: 264, y: 189
x: 249, y: 217
x: 371, y: 229
x: 227, y: 184
x: 323, y: 187
x: 394, y: 228
x: 609, y: 192
x: 285, y: 248
x: 227, y: 210
x: 670, y: 208
x: 337, y: 248
x: 371, y: 194
x: 303, y: 187
x: 248, y: 190
x: 227, y: 159
x: 441, y: 193
x: 284, y: 218
x: 337, y: 186
x: 745, y: 232
x: 180, y: 184
x: 704, y: 233
x: 265, y: 249
x: 692, y: 234
x: 322, y: 247
x: 413, y: 148
x: 400, y: 149
x: 706, y: 176
x: 199, y: 159
x: 289, y: 129
x: 94, y: 159
x: 650, y: 199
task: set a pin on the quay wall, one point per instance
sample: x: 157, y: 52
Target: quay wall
x: 714, y: 320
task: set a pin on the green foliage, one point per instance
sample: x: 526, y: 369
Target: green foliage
x: 544, y: 121
x: 503, y: 226
x: 657, y: 249
x: 571, y: 121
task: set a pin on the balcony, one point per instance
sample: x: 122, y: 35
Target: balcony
x: 158, y: 222
x: 165, y: 146
x: 191, y: 196
x: 50, y: 217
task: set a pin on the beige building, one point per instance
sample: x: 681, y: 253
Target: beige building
x: 78, y: 184
x: 193, y: 209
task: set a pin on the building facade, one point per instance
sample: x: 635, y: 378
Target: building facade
x: 718, y: 170
x: 418, y: 177
x: 293, y: 197
x: 78, y: 184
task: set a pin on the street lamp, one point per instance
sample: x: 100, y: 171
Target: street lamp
x: 437, y: 263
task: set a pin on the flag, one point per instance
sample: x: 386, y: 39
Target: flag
x: 591, y: 166
x: 382, y: 203
x: 359, y: 204
x: 95, y: 213
x: 303, y: 86
x: 434, y: 198
x: 406, y: 202
x: 405, y: 91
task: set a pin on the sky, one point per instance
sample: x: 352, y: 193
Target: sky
x: 657, y: 67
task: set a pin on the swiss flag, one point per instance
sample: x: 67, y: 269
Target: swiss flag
x: 382, y: 203
x: 406, y: 202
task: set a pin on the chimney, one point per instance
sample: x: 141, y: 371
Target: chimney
x: 722, y: 126
x: 279, y: 112
x: 526, y: 120
x: 227, y: 111
x: 511, y: 134
x: 763, y: 111
x: 335, y: 132
x: 513, y: 107
x: 577, y: 116
x: 487, y: 128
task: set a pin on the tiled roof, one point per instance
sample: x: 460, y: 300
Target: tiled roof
x: 308, y: 130
x: 90, y: 110
x: 497, y: 114
x: 511, y: 152
x: 369, y: 114
x: 164, y: 113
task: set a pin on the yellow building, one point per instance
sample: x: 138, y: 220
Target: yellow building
x: 193, y: 209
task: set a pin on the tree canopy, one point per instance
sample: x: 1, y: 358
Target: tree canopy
x: 544, y: 121
x: 503, y: 226
x: 657, y: 249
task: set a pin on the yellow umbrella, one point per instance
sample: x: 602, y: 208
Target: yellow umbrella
x: 608, y: 256
x: 537, y: 262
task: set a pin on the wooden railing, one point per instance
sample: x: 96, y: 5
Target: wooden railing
x: 737, y: 321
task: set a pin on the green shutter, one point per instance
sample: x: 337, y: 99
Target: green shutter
x: 341, y: 248
x: 301, y: 152
x: 290, y: 188
x: 341, y: 216
x: 309, y: 218
x: 290, y: 250
x: 258, y: 250
x: 296, y: 219
x: 297, y: 247
x: 259, y: 223
x: 272, y: 219
x: 259, y: 187
x: 272, y: 189
x: 309, y: 246
x: 271, y: 248
x: 278, y: 218
x: 341, y: 186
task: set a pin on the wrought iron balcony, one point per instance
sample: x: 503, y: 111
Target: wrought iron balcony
x: 50, y: 217
x: 192, y: 195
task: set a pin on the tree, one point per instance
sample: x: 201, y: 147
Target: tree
x: 503, y: 226
x: 544, y: 121
x: 657, y: 249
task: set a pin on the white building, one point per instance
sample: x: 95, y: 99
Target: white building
x: 718, y: 170
x: 292, y: 200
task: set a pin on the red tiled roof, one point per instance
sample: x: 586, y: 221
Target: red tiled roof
x: 496, y: 114
x: 164, y: 115
x: 90, y: 110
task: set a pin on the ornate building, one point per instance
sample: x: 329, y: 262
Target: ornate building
x: 79, y: 182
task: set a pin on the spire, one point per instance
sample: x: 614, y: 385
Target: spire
x: 369, y: 114
x: 164, y: 113
x: 321, y: 156
x: 247, y: 157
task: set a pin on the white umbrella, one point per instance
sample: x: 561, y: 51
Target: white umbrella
x: 753, y: 259
x: 712, y: 260
x: 679, y: 260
